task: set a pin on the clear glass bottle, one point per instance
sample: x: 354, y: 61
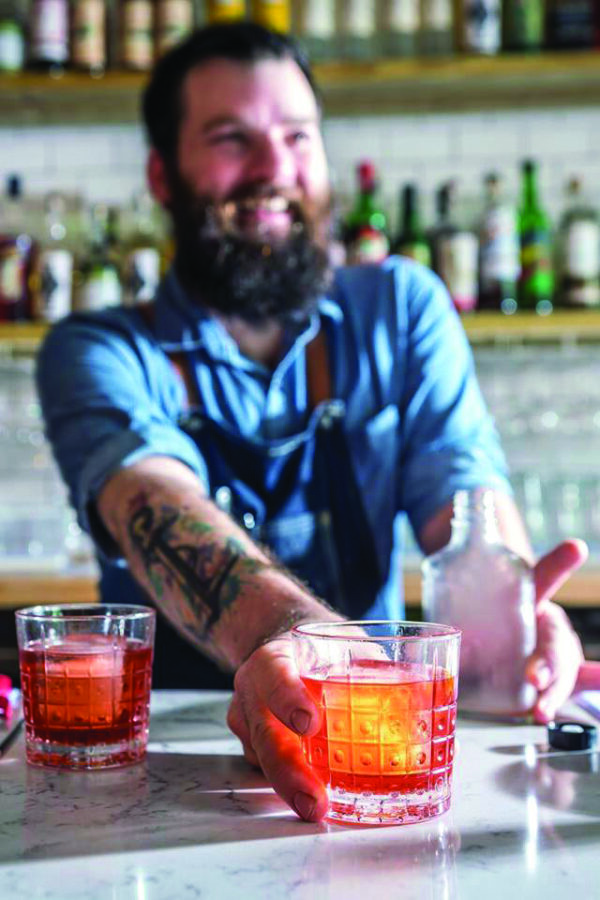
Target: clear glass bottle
x: 579, y: 251
x: 436, y: 34
x: 99, y: 276
x: 499, y: 250
x: 398, y: 28
x: 480, y: 586
x: 357, y: 27
x: 478, y: 26
x: 16, y: 253
x: 141, y: 256
x: 52, y: 281
x: 314, y: 27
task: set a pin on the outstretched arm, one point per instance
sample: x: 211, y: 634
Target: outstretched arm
x: 230, y: 599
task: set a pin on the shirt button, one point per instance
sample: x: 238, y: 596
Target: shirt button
x: 249, y: 521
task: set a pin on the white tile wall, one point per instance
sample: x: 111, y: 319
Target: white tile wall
x: 107, y: 162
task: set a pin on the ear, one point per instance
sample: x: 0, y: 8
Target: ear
x: 157, y: 178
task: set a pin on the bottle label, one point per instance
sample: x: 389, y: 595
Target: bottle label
x: 50, y: 31
x: 436, y: 15
x: 401, y: 16
x: 141, y: 274
x: 458, y: 268
x: 53, y: 298
x: 368, y: 246
x: 12, y: 47
x: 175, y: 20
x: 318, y: 19
x: 582, y: 250
x: 499, y: 249
x: 537, y: 279
x: 138, y: 43
x: 419, y: 251
x: 89, y: 39
x: 481, y: 26
x: 359, y: 18
x: 222, y: 10
x: 101, y: 288
x: 273, y: 14
x: 13, y: 264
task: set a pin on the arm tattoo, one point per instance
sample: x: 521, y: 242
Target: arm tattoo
x: 203, y: 572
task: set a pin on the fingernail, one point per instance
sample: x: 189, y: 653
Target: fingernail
x: 300, y: 720
x: 304, y: 805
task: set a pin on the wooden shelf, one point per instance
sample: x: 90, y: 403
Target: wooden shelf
x: 382, y: 87
x: 562, y: 326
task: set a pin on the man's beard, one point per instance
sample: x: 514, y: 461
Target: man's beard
x: 256, y: 277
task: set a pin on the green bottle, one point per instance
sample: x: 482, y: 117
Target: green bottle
x: 536, y: 282
x: 365, y: 229
x: 523, y: 25
x: 411, y: 240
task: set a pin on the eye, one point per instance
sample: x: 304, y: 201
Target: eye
x: 230, y: 137
x: 298, y: 137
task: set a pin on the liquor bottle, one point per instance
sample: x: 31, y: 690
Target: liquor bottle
x: 536, y: 281
x: 365, y: 229
x: 88, y: 36
x: 411, y: 240
x: 523, y: 25
x: 16, y: 249
x: 225, y: 10
x: 579, y: 251
x: 314, y: 28
x: 12, y: 37
x: 499, y: 250
x: 136, y: 34
x: 49, y: 34
x: 478, y: 26
x: 141, y: 253
x: 570, y: 24
x: 398, y: 27
x: 480, y: 586
x: 52, y: 277
x: 174, y: 20
x: 454, y: 253
x: 357, y: 27
x: 99, y: 276
x: 273, y: 14
x: 436, y: 37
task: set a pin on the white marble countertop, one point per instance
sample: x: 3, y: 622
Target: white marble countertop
x: 194, y: 820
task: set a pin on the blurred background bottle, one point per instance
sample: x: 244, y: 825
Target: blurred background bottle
x: 410, y: 240
x: 274, y: 14
x: 578, y: 251
x: 536, y: 281
x: 49, y: 34
x: 174, y: 20
x: 98, y: 283
x: 398, y: 28
x: 477, y: 584
x: 314, y: 27
x: 225, y: 10
x: 571, y: 23
x: 140, y: 250
x: 365, y: 229
x: 52, y: 277
x: 477, y: 26
x: 136, y: 30
x: 523, y: 25
x: 455, y: 252
x: 436, y: 34
x: 88, y: 36
x: 16, y: 251
x: 499, y: 253
x: 12, y: 37
x: 356, y: 22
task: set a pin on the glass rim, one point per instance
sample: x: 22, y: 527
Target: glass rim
x: 76, y: 612
x: 327, y: 630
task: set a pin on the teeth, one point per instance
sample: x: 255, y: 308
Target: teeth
x: 271, y: 204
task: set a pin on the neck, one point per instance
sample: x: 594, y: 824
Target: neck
x: 263, y: 343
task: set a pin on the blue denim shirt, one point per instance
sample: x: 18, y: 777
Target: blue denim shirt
x: 399, y: 360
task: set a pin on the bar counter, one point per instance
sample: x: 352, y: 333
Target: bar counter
x: 194, y: 820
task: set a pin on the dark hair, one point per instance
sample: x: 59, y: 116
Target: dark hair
x: 244, y: 42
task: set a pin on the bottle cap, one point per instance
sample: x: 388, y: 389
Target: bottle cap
x: 572, y: 736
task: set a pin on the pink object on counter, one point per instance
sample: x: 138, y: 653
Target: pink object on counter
x: 5, y: 690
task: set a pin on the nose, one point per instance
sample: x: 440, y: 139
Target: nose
x: 273, y: 161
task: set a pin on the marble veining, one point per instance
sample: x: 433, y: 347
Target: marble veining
x: 194, y: 820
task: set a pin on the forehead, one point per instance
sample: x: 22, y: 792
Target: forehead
x: 263, y: 92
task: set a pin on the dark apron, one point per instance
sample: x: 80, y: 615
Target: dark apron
x: 299, y: 497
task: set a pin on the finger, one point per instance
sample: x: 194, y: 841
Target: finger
x: 555, y: 663
x: 552, y: 570
x: 236, y: 720
x: 282, y: 760
x: 271, y: 676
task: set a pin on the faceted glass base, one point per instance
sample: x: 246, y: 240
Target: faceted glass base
x: 100, y: 756
x: 384, y: 809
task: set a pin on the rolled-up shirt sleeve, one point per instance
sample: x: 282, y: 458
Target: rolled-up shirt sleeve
x: 450, y: 441
x: 109, y: 398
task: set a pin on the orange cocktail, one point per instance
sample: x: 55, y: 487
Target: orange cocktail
x: 385, y: 747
